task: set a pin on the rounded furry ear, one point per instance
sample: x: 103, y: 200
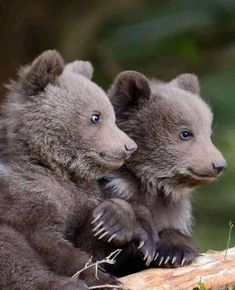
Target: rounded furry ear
x: 129, y: 90
x: 188, y: 82
x: 81, y: 67
x: 43, y: 70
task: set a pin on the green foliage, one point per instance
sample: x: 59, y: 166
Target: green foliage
x: 201, y: 286
x: 231, y: 226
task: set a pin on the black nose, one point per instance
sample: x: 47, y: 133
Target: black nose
x: 131, y: 147
x: 220, y: 165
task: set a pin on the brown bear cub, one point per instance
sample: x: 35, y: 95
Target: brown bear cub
x: 58, y: 138
x: 171, y: 125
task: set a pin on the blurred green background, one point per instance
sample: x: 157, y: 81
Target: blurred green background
x: 158, y: 38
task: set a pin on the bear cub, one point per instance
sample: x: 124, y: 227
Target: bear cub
x: 171, y: 125
x: 58, y: 138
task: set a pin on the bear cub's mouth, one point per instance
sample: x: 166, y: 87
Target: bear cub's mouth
x: 202, y: 175
x: 113, y: 157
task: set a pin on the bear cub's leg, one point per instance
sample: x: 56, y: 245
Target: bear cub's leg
x: 22, y: 268
x: 174, y: 249
x: 115, y: 221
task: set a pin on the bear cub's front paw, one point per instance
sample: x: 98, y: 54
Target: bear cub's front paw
x: 114, y: 219
x: 174, y: 250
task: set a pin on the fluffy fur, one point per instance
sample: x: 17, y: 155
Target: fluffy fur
x: 53, y: 151
x: 171, y: 125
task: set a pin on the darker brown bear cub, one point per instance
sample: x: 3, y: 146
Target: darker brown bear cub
x: 58, y: 137
x: 171, y: 125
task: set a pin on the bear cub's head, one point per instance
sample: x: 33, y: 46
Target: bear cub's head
x: 58, y: 117
x: 171, y: 125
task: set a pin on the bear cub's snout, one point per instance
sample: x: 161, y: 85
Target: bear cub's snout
x: 219, y: 166
x: 121, y: 154
x: 131, y: 147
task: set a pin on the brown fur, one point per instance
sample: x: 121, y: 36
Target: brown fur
x: 162, y: 173
x: 52, y: 156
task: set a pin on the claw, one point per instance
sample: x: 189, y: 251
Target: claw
x: 96, y: 218
x: 183, y: 261
x: 161, y: 260
x: 146, y: 255
x: 167, y: 259
x: 103, y: 235
x: 155, y: 258
x: 99, y: 232
x: 173, y: 260
x: 148, y: 261
x: 96, y: 228
x: 112, y: 237
x: 140, y: 245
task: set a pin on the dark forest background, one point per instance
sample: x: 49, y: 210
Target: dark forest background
x: 158, y: 38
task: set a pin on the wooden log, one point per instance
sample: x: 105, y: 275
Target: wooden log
x: 212, y: 270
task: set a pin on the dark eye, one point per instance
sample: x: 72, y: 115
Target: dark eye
x: 185, y: 134
x: 95, y: 118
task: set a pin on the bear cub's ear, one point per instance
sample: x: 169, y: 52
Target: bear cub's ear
x: 81, y: 67
x: 43, y: 70
x: 129, y: 91
x: 188, y: 82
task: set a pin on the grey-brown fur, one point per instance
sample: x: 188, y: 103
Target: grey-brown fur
x: 52, y: 155
x: 162, y: 173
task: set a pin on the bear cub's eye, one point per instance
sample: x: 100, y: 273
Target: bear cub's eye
x: 95, y: 117
x: 185, y: 134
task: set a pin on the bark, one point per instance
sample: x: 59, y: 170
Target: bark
x: 212, y: 270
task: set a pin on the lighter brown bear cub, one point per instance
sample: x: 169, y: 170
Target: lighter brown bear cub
x: 171, y: 125
x: 58, y: 137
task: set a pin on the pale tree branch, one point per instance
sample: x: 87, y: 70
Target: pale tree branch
x: 210, y: 270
